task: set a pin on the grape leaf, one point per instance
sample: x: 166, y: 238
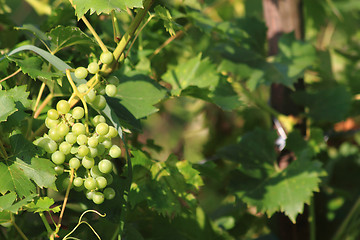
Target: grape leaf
x: 5, y: 217
x: 138, y: 93
x: 7, y: 200
x: 43, y: 204
x: 104, y: 6
x: 169, y: 23
x: 160, y: 181
x: 62, y: 37
x: 7, y: 106
x: 258, y: 182
x: 326, y: 105
x: 22, y: 166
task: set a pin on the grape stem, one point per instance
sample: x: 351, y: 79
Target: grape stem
x: 43, y: 104
x: 17, y: 228
x: 117, y: 34
x: 96, y: 36
x: 54, y: 234
x: 11, y: 75
x: 79, y: 95
x: 46, y: 224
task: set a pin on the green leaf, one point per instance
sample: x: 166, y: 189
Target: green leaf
x: 138, y: 93
x: 62, y: 37
x: 43, y: 204
x: 169, y: 23
x: 5, y: 217
x: 166, y: 186
x: 7, y: 106
x: 104, y: 6
x: 7, y: 200
x: 327, y: 105
x: 194, y: 72
x: 33, y: 66
x: 260, y: 183
x: 37, y: 33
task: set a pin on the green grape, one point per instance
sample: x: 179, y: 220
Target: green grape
x: 59, y: 169
x: 98, y: 119
x: 102, y: 129
x: 113, y: 80
x: 78, y: 128
x: 106, y: 57
x: 115, y: 151
x: 65, y: 183
x: 47, y: 144
x: 99, y: 102
x: 90, y: 96
x: 82, y: 139
x: 78, y: 113
x: 83, y: 151
x: 100, y: 90
x: 109, y: 178
x: 63, y: 129
x: 63, y: 107
x: 50, y: 123
x: 93, y: 152
x: 105, y: 166
x: 74, y: 150
x: 101, y: 182
x: 95, y: 172
x: 101, y: 138
x: 93, y: 68
x: 111, y: 90
x: 87, y: 162
x: 93, y: 142
x: 109, y: 193
x: 107, y: 143
x: 83, y: 88
x: 81, y: 72
x: 74, y: 163
x: 78, y: 182
x: 89, y: 194
x: 90, y: 183
x: 65, y: 148
x: 69, y: 119
x: 58, y: 157
x: 53, y: 114
x: 54, y: 135
x: 112, y: 132
x: 101, y: 149
x: 98, y: 198
x: 71, y: 138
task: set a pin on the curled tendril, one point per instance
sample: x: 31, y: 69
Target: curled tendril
x: 80, y: 222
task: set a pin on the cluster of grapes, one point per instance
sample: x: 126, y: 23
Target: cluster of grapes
x: 73, y: 143
x: 95, y: 97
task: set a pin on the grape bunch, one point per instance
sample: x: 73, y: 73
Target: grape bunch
x: 88, y: 150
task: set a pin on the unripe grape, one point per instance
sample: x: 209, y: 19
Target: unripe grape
x: 101, y: 149
x: 107, y: 143
x: 82, y: 139
x: 47, y: 144
x: 109, y: 193
x: 102, y: 129
x: 78, y: 128
x: 93, y: 152
x: 58, y: 157
x: 93, y: 142
x: 74, y: 163
x: 113, y: 80
x: 89, y: 195
x: 78, y: 113
x: 54, y: 135
x: 95, y: 172
x: 71, y: 138
x: 93, y: 68
x: 99, y: 102
x: 83, y: 151
x: 98, y: 119
x: 90, y: 183
x: 63, y: 129
x: 78, y: 182
x: 63, y: 107
x: 87, y: 162
x: 98, y: 198
x: 69, y: 119
x: 65, y: 148
x: 53, y: 114
x: 51, y: 123
x: 59, y: 169
x: 105, y: 166
x: 81, y: 72
x: 115, y: 151
x: 111, y: 90
x: 106, y: 57
x: 101, y: 182
x: 112, y: 132
x: 90, y: 96
x: 83, y: 88
x: 109, y: 178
